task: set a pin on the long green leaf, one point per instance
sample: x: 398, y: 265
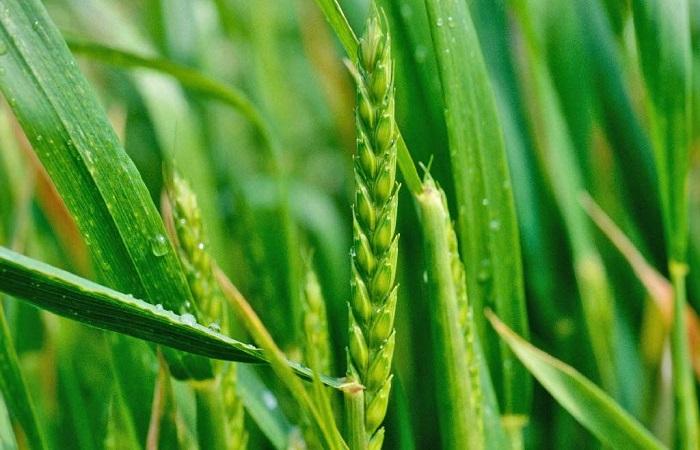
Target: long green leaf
x: 579, y: 396
x: 555, y: 139
x: 100, y: 185
x: 663, y: 37
x: 188, y: 77
x: 631, y: 146
x: 266, y: 414
x: 7, y: 435
x: 79, y: 299
x: 14, y: 389
x: 486, y: 216
x: 664, y: 41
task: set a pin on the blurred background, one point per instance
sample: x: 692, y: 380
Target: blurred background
x: 284, y: 57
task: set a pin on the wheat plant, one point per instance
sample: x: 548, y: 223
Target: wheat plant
x: 181, y: 181
x: 375, y: 248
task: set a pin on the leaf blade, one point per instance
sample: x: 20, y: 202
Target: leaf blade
x: 98, y: 182
x: 487, y: 224
x: 79, y: 299
x: 15, y: 392
x: 580, y: 397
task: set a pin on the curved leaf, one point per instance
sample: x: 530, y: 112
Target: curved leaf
x: 589, y: 405
x: 79, y: 299
x: 100, y: 185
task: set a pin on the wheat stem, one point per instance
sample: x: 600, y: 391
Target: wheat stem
x: 278, y: 360
x: 459, y: 395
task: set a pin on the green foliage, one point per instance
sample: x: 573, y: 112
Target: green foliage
x: 205, y: 323
x: 486, y: 220
x: 586, y: 402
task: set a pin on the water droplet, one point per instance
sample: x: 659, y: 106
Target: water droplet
x: 159, y: 245
x: 495, y: 225
x: 484, y: 273
x: 200, y: 246
x: 425, y: 277
x: 406, y: 11
x: 450, y: 22
x: 188, y: 319
x: 159, y: 307
x: 439, y: 21
x: 3, y: 48
x: 214, y: 326
x: 421, y: 54
x: 269, y: 400
x: 88, y: 157
x: 485, y: 202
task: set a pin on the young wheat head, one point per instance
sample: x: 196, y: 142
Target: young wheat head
x: 375, y: 245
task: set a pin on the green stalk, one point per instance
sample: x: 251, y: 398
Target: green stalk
x: 460, y: 423
x: 664, y: 41
x: 163, y: 428
x: 212, y: 429
x: 272, y: 422
x: 355, y: 412
x: 686, y: 414
x: 75, y: 403
x: 553, y: 137
x: 278, y: 361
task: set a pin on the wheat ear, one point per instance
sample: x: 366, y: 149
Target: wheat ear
x: 198, y: 266
x: 375, y: 245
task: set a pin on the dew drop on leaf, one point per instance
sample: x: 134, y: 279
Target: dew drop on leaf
x: 159, y: 245
x: 269, y: 400
x: 188, y: 319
